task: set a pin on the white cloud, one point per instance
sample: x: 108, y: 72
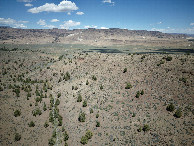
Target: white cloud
x: 191, y: 24
x: 69, y: 13
x: 108, y: 1
x: 80, y: 13
x: 41, y: 22
x: 26, y: 1
x: 103, y: 28
x: 12, y: 23
x: 54, y: 20
x: 63, y: 6
x: 28, y: 5
x: 49, y: 26
x: 90, y: 26
x: 68, y: 24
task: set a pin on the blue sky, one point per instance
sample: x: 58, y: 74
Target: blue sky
x: 171, y: 16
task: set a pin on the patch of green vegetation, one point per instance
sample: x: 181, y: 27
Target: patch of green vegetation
x: 146, y: 128
x: 79, y: 99
x: 87, y: 83
x: 137, y: 94
x: 88, y: 135
x: 66, y: 136
x: 85, y: 103
x: 94, y: 78
x: 82, y: 117
x: 128, y: 86
x: 184, y: 80
x: 36, y: 112
x: 17, y: 113
x: 91, y: 111
x: 31, y: 124
x: 46, y: 124
x: 125, y: 70
x: 170, y: 107
x: 178, y: 113
x: 97, y: 124
x: 17, y: 137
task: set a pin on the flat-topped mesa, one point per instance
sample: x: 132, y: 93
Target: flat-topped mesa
x: 84, y: 36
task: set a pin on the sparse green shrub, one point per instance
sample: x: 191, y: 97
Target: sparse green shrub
x: 142, y: 57
x: 66, y: 136
x: 59, y: 95
x: 60, y: 119
x: 184, y: 80
x: 137, y: 94
x: 128, y: 86
x: 125, y: 70
x: 44, y: 107
x: 168, y: 58
x: 17, y: 113
x: 72, y: 87
x: 36, y: 112
x: 57, y: 102
x: 29, y: 94
x: 139, y: 129
x: 101, y: 87
x: 17, y: 137
x: 79, y: 99
x: 91, y: 111
x: 146, y: 128
x: 170, y: 107
x: 97, y: 115
x: 84, y: 140
x: 85, y: 103
x: 67, y: 76
x: 31, y: 124
x: 61, y: 57
x: 89, y: 134
x: 178, y: 113
x: 82, y: 117
x: 97, y: 124
x: 51, y: 142
x: 133, y: 115
x: 51, y: 119
x: 38, y: 99
x: 142, y: 92
x: 94, y: 78
x: 46, y: 124
x: 87, y: 83
x: 65, y: 144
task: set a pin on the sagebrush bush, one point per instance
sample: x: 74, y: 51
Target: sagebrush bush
x: 146, y: 128
x: 31, y: 124
x: 17, y: 113
x: 82, y: 117
x: 85, y: 103
x: 17, y: 137
x: 125, y: 70
x: 66, y: 136
x: 128, y: 86
x: 97, y: 124
x: 79, y: 99
x: 178, y: 113
x: 170, y: 107
x: 137, y: 94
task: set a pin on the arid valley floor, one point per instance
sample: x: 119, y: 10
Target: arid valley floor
x: 64, y: 93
